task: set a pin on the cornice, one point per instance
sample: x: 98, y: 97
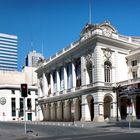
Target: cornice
x: 82, y: 45
x: 74, y: 94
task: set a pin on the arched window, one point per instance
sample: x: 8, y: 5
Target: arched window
x: 107, y: 71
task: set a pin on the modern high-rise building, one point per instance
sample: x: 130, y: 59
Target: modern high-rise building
x: 8, y: 52
x: 33, y: 58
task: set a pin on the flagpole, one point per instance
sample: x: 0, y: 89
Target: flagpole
x: 90, y: 13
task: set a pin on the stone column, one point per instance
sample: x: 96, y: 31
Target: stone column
x: 85, y: 109
x: 43, y: 111
x: 77, y: 109
x: 99, y: 76
x: 98, y: 107
x: 67, y: 111
x: 73, y: 76
x: 45, y: 85
x: 65, y: 78
x: 40, y: 94
x: 59, y: 111
x: 53, y: 112
x: 93, y: 69
x: 47, y: 112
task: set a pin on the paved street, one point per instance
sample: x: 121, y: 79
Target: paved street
x: 15, y: 131
x: 98, y: 136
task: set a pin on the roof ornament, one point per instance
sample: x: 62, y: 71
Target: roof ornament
x: 88, y: 57
x: 107, y: 28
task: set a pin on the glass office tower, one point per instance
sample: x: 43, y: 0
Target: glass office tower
x: 8, y: 52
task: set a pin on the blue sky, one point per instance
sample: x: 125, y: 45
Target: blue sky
x: 54, y: 24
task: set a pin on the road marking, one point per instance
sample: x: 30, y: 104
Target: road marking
x: 99, y: 135
x: 64, y: 139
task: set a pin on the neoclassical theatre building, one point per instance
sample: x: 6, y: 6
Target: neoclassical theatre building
x: 76, y: 83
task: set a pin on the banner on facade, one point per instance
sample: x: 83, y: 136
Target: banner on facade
x: 129, y: 90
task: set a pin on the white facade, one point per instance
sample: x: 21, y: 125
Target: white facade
x: 77, y: 81
x: 11, y: 102
x: 8, y: 52
x: 6, y: 96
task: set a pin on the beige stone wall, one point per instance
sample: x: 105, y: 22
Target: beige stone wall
x: 11, y: 77
x: 27, y: 75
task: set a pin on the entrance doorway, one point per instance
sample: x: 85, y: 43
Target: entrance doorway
x: 90, y: 101
x: 123, y: 108
x: 29, y: 116
x: 107, y: 107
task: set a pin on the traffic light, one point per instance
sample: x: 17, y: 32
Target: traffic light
x: 24, y: 90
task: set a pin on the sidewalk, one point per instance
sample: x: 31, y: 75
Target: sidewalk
x: 121, y: 126
x: 124, y: 125
x: 72, y: 124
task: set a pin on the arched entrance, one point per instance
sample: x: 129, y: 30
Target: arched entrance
x: 123, y: 107
x: 90, y: 101
x: 138, y: 106
x: 107, y: 106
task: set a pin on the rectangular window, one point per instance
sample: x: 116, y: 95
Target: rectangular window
x: 134, y: 63
x: 69, y: 76
x: 29, y: 104
x: 13, y: 91
x: 21, y: 112
x: 134, y: 74
x: 13, y: 104
x: 49, y: 84
x: 54, y: 81
x: 78, y: 72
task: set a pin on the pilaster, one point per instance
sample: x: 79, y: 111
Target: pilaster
x: 83, y: 71
x: 85, y: 110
